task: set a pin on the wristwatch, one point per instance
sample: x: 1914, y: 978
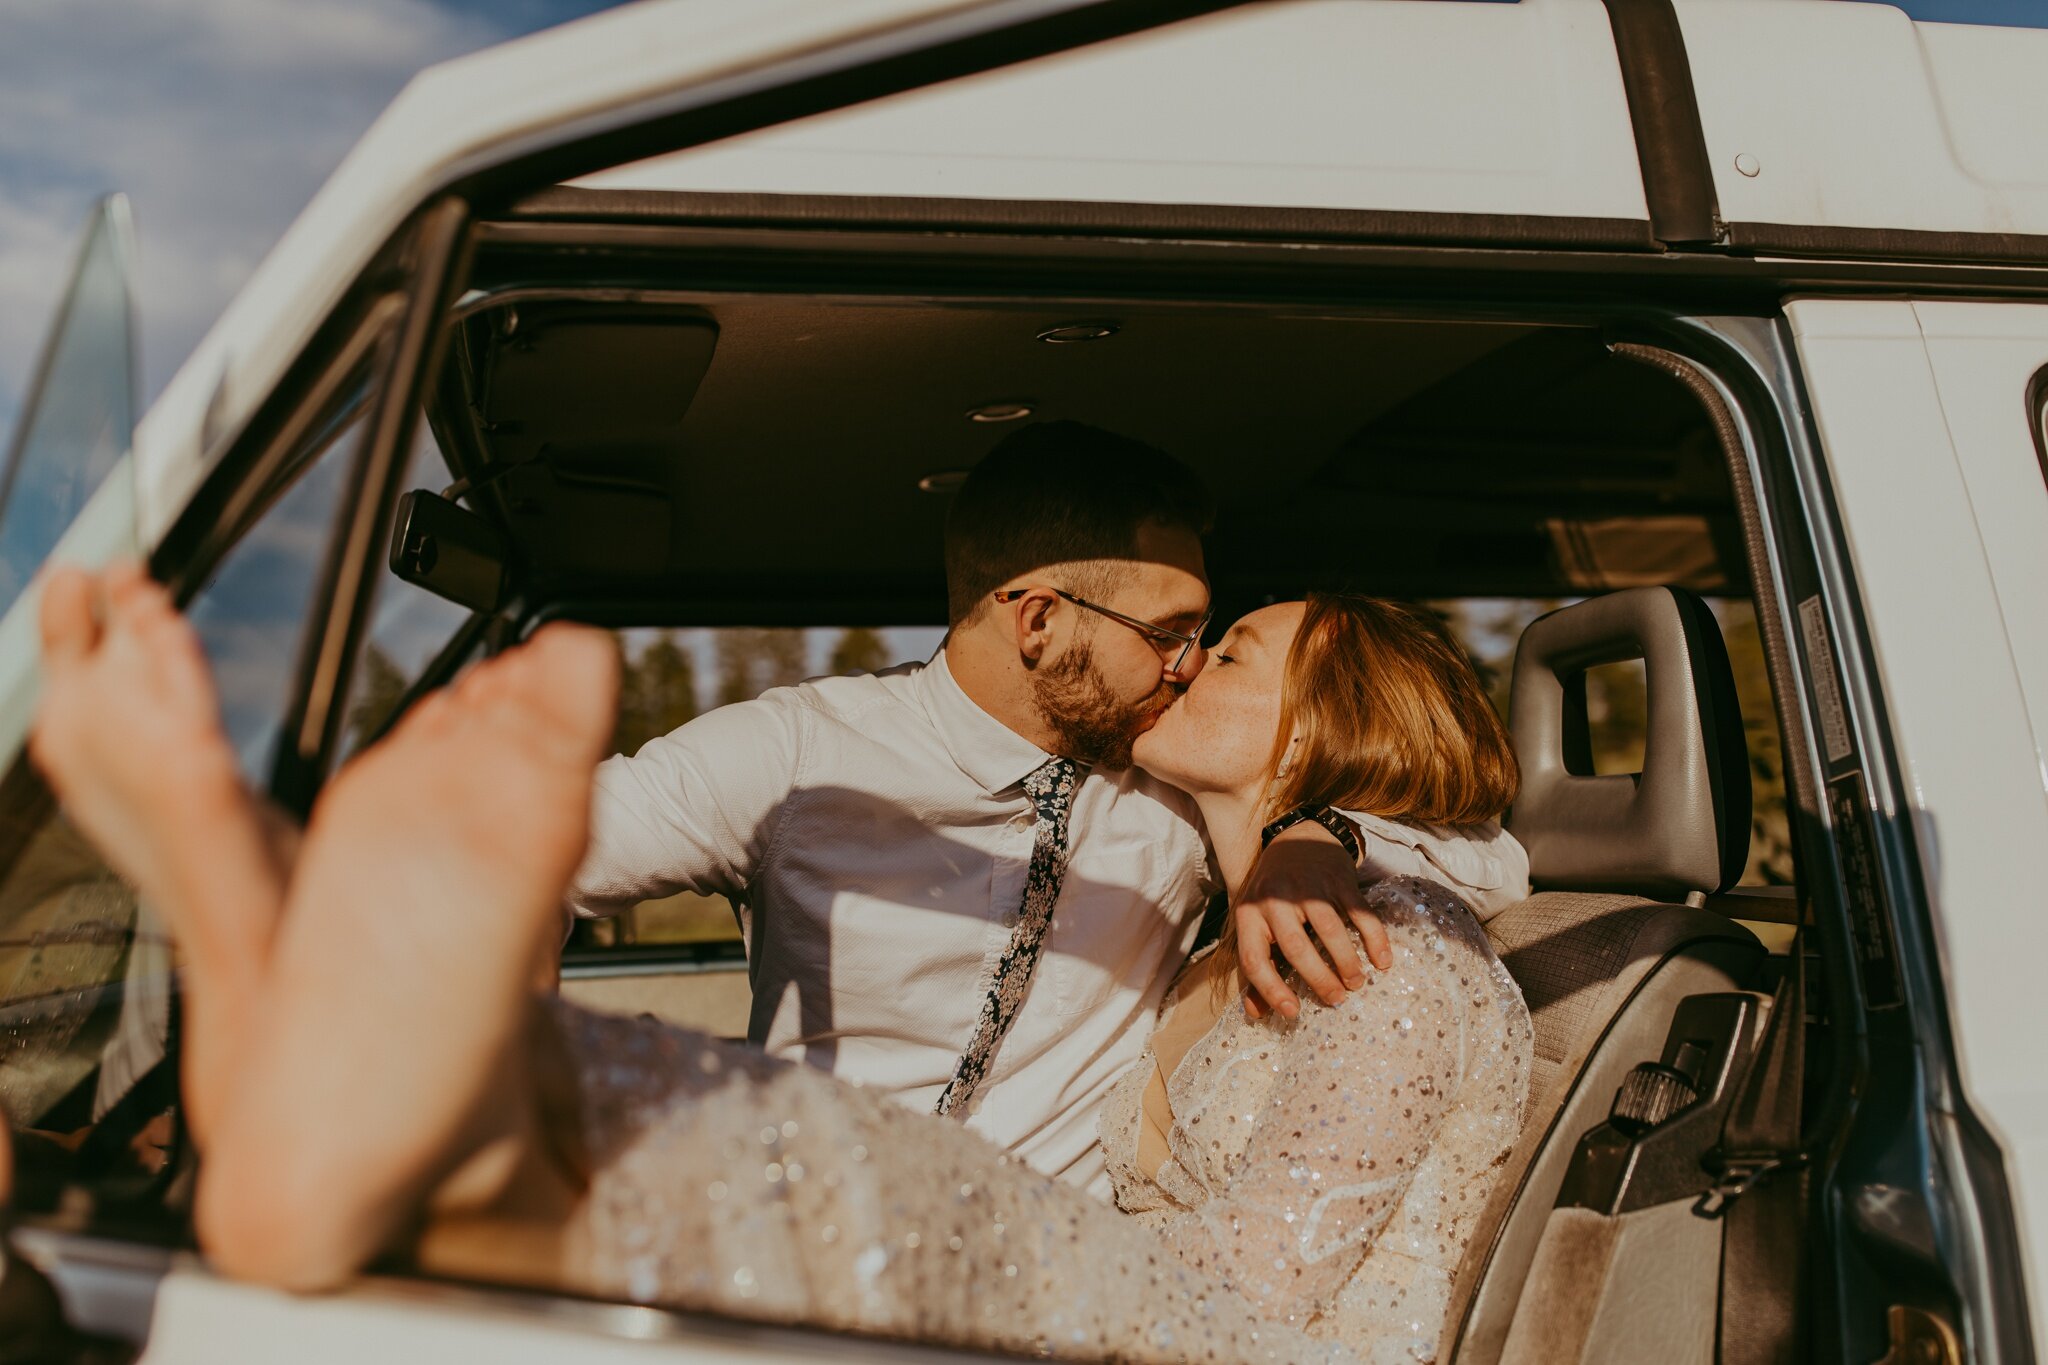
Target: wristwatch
x: 1323, y: 816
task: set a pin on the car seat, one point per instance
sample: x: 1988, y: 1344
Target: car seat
x: 1614, y: 942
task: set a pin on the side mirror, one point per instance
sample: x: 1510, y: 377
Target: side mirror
x: 451, y: 551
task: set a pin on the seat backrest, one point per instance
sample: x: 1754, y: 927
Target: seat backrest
x: 1605, y: 949
x: 1679, y: 826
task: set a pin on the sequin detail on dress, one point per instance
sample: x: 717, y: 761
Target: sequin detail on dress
x: 1051, y: 789
x: 1323, y: 1180
x: 728, y: 1181
x: 1331, y: 1169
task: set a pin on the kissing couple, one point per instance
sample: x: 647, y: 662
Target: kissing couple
x: 993, y: 1101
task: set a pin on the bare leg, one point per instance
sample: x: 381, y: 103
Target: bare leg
x: 391, y: 1069
x: 364, y: 1057
x: 129, y: 737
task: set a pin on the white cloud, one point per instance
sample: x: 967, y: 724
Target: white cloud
x: 219, y: 118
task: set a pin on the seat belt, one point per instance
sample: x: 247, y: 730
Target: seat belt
x: 1760, y: 1194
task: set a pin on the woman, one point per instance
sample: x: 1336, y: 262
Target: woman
x: 1359, y: 704
x: 367, y: 1069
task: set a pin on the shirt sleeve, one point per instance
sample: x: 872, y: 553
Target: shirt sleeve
x: 694, y: 810
x: 1363, y: 1090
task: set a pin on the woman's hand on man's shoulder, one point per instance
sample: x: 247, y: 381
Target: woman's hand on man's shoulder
x: 1304, y: 899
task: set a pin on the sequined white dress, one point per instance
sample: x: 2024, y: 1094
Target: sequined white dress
x: 1331, y: 1170
x: 1323, y: 1172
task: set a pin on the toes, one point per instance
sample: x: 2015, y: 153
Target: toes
x: 585, y: 661
x: 69, y: 631
x: 175, y: 654
x: 133, y: 598
x: 431, y: 712
x: 559, y: 689
x: 571, y: 673
x: 480, y: 681
x: 123, y: 577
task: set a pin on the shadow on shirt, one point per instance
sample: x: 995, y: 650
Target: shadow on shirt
x: 859, y: 969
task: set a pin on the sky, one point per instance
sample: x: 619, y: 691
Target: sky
x: 219, y: 118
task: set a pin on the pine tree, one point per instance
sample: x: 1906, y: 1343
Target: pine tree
x: 860, y: 650
x: 657, y: 693
x: 752, y: 659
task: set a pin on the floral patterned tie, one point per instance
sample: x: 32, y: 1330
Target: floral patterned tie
x: 1051, y: 789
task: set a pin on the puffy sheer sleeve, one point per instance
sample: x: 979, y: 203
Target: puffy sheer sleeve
x: 1360, y: 1093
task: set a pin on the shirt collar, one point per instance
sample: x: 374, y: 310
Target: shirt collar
x: 987, y: 750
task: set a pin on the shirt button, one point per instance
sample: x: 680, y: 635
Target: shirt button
x: 1025, y: 821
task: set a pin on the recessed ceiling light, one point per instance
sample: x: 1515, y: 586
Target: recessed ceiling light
x: 942, y: 481
x: 1077, y: 331
x: 1011, y: 411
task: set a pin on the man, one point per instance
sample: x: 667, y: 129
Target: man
x: 952, y: 884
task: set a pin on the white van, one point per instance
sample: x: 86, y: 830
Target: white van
x: 1707, y: 338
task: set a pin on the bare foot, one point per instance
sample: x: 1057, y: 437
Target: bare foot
x: 128, y: 735
x: 426, y: 890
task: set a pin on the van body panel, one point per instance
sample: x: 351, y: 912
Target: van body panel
x: 1955, y: 708
x: 1405, y: 105
x: 1986, y: 359
x: 1824, y: 114
x: 395, y: 1322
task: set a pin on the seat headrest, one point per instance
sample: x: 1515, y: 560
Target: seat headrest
x: 1682, y: 824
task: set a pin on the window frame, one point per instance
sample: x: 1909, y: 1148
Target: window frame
x: 384, y: 323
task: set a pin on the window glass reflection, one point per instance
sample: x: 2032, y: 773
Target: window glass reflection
x: 80, y: 419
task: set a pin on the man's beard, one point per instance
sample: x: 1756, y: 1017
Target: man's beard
x: 1092, y: 726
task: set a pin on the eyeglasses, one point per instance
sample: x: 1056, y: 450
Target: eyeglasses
x: 1161, y: 638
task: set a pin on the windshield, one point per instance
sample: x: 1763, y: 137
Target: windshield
x: 80, y: 412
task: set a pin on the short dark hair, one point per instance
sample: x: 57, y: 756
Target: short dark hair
x: 1056, y: 493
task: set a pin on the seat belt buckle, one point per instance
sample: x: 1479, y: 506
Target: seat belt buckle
x: 1737, y: 1175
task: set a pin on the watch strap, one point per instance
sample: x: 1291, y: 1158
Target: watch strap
x: 1320, y: 814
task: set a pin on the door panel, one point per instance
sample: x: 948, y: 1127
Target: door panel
x: 1937, y: 484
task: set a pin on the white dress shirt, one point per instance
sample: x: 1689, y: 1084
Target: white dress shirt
x: 1484, y: 864
x: 874, y: 832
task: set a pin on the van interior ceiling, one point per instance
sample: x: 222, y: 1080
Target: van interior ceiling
x: 751, y: 454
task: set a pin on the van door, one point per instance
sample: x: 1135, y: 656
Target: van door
x: 1990, y: 364
x: 1929, y: 415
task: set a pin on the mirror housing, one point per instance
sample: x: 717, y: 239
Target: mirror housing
x: 451, y: 551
